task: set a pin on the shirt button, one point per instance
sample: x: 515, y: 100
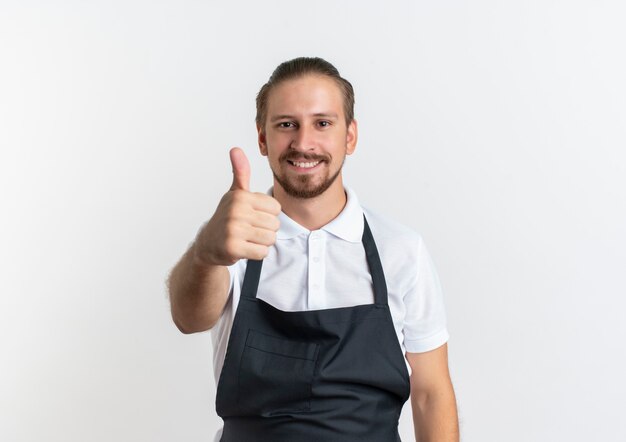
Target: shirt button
x: 316, y: 259
x: 316, y: 286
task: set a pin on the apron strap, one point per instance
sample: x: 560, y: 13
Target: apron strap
x: 376, y: 267
x: 251, y: 279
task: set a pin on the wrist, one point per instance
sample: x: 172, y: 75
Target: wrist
x: 199, y: 261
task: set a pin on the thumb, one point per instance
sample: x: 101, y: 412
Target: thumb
x: 241, y: 169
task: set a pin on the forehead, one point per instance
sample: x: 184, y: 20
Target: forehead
x: 305, y: 95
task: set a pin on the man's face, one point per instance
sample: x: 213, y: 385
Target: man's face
x: 305, y: 136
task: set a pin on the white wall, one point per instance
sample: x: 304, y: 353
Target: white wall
x: 496, y: 129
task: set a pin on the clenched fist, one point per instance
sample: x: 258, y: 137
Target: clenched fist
x: 244, y: 224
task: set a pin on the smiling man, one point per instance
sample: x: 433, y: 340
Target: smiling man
x: 325, y: 316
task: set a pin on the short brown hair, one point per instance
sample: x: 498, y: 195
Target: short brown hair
x: 299, y: 67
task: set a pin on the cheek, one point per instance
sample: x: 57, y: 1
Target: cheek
x: 276, y: 140
x: 274, y: 154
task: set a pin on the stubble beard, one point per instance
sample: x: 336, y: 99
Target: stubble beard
x: 300, y: 188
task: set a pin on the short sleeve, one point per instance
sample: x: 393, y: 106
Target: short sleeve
x: 425, y: 324
x: 233, y: 289
x: 232, y: 271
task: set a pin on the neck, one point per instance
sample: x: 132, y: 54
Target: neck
x: 313, y: 213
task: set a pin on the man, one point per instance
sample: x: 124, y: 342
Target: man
x: 325, y: 316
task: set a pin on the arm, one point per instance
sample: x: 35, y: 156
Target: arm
x: 432, y: 397
x: 198, y: 293
x: 244, y: 225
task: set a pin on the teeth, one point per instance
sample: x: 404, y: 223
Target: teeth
x: 306, y: 165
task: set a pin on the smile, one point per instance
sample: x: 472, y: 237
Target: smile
x: 304, y: 165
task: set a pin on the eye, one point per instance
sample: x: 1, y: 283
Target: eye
x: 324, y: 123
x: 285, y: 124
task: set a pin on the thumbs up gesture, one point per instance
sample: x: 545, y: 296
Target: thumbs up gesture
x: 244, y: 224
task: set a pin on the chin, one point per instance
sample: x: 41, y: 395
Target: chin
x: 304, y: 191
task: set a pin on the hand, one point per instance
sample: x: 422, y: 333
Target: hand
x: 244, y: 224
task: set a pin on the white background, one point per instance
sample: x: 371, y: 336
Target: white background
x: 495, y: 129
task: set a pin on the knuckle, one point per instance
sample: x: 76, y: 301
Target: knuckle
x: 228, y: 259
x: 231, y: 260
x: 230, y: 247
x: 277, y: 207
x: 260, y: 253
x: 267, y: 237
x: 238, y: 196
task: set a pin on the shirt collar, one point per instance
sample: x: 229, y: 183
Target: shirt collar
x: 348, y: 225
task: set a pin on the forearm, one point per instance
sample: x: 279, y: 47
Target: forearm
x: 435, y: 416
x: 198, y: 293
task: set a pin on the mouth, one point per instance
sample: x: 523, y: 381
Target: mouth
x: 304, y: 166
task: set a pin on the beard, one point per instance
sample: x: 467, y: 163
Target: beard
x: 301, y: 186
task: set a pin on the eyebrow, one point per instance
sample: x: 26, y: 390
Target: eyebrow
x: 319, y: 114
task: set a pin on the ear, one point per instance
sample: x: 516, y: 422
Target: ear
x: 351, y: 137
x: 262, y: 140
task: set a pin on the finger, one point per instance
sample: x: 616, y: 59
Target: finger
x: 241, y: 169
x: 254, y: 251
x: 262, y: 237
x: 265, y: 203
x: 264, y: 220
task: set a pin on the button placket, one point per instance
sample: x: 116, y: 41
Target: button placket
x: 317, y: 271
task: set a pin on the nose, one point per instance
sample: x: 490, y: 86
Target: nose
x: 303, y: 139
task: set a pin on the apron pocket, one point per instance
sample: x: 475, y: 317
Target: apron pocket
x: 275, y: 374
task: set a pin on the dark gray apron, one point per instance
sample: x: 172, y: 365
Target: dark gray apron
x: 313, y: 376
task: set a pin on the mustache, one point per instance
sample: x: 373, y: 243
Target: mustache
x: 294, y: 156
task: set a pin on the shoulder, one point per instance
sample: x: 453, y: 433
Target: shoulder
x: 399, y: 246
x: 389, y: 232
